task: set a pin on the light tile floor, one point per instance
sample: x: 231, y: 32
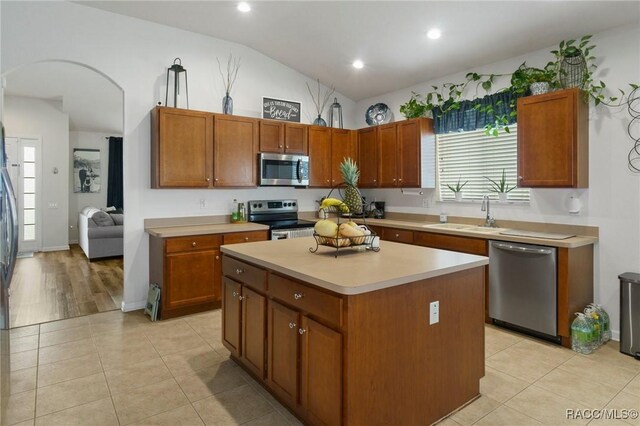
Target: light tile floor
x: 114, y: 368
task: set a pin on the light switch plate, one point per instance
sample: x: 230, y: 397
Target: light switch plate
x: 434, y: 312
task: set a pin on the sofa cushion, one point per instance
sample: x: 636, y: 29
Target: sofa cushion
x: 102, y: 218
x: 118, y: 218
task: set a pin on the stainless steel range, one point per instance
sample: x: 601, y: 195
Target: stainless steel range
x: 282, y: 218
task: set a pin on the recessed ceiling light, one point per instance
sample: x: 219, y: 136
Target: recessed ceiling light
x: 244, y: 7
x: 358, y: 64
x: 434, y: 34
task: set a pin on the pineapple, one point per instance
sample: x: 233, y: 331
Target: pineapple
x: 350, y: 176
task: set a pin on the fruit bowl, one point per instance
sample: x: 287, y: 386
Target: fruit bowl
x: 344, y: 242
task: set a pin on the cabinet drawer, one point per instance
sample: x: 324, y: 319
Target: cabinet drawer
x: 195, y: 242
x: 451, y: 242
x: 307, y: 299
x: 245, y: 237
x: 397, y: 235
x: 250, y: 275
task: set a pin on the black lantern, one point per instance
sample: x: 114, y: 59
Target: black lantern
x: 177, y: 68
x: 335, y: 114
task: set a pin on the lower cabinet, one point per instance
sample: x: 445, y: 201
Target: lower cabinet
x: 305, y: 364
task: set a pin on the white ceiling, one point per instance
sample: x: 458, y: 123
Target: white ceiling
x: 93, y: 102
x: 322, y: 38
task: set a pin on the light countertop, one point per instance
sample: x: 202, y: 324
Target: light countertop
x: 353, y: 272
x: 203, y: 229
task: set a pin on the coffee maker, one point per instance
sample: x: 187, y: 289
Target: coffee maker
x: 378, y: 211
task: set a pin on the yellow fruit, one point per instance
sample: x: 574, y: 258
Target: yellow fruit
x: 326, y: 228
x: 355, y: 225
x: 328, y: 202
x: 356, y: 235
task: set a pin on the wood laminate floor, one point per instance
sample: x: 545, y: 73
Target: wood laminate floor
x: 63, y: 284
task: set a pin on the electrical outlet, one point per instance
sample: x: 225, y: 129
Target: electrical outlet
x: 434, y: 312
x: 203, y: 203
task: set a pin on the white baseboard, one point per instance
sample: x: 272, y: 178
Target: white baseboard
x: 133, y: 306
x: 615, y: 335
x: 55, y: 248
x: 73, y: 241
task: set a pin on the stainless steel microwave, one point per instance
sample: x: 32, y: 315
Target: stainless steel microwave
x: 283, y: 170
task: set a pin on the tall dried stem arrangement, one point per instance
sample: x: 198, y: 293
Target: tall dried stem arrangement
x: 233, y: 65
x: 320, y: 99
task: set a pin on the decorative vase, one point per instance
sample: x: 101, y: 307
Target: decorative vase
x: 502, y: 197
x: 319, y: 121
x: 227, y: 104
x: 573, y: 71
x: 458, y: 196
x: 539, y: 87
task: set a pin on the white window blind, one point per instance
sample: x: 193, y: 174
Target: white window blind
x: 472, y: 156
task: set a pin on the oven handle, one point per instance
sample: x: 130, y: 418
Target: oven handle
x: 298, y: 173
x: 279, y: 235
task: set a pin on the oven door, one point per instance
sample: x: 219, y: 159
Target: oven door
x: 291, y: 233
x: 283, y: 170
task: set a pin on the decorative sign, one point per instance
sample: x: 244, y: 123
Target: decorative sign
x: 279, y: 109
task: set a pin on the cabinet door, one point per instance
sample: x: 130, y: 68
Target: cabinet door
x: 271, y: 136
x: 451, y: 242
x: 408, y: 163
x: 387, y: 153
x: 295, y: 138
x: 319, y: 156
x: 282, y: 355
x: 235, y: 150
x: 231, y: 316
x: 344, y: 144
x: 321, y: 373
x: 181, y: 149
x: 245, y: 237
x: 253, y: 331
x: 552, y: 140
x: 190, y: 278
x: 368, y: 157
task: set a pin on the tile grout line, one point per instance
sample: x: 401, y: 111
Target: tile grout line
x: 104, y: 374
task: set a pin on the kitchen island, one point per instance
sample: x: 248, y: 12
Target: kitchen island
x: 354, y: 340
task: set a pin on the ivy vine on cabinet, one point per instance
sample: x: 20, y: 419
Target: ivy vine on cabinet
x: 553, y: 140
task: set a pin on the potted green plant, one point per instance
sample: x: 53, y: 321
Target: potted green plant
x: 501, y: 187
x: 457, y: 189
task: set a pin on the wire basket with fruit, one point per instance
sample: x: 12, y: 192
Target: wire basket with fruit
x: 331, y: 234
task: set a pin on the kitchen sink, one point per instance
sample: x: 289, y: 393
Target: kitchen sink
x: 485, y: 229
x: 449, y: 226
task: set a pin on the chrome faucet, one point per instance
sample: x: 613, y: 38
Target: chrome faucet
x: 489, y: 221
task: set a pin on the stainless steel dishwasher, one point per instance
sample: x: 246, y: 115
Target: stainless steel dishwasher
x: 522, y: 286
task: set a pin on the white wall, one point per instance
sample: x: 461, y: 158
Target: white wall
x: 135, y: 55
x: 45, y: 119
x: 77, y: 201
x: 611, y: 202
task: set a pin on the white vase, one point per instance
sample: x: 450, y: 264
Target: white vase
x: 502, y: 197
x: 458, y: 196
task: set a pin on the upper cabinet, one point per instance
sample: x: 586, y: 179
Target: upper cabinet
x: 327, y: 149
x: 235, y: 149
x: 406, y: 154
x: 181, y: 148
x: 368, y: 157
x: 553, y: 140
x: 279, y: 137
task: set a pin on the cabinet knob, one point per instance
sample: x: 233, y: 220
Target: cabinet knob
x: 235, y: 294
x: 292, y: 325
x: 239, y: 271
x: 397, y: 235
x: 208, y: 179
x: 400, y: 180
x: 215, y: 180
x: 394, y: 179
x: 302, y: 331
x: 327, y: 180
x: 242, y: 297
x: 279, y: 146
x: 374, y: 181
x: 217, y: 257
x: 287, y: 146
x: 193, y: 244
x: 246, y: 238
x: 298, y: 296
x: 519, y: 177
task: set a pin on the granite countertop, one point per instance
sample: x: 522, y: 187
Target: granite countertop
x: 203, y: 229
x: 353, y: 272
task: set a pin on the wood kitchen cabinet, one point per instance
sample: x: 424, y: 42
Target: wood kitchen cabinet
x: 235, y: 150
x: 397, y: 235
x: 285, y: 138
x: 244, y: 314
x: 452, y: 242
x: 368, y: 157
x: 181, y: 148
x: 406, y: 154
x: 327, y: 149
x: 189, y: 270
x: 553, y: 140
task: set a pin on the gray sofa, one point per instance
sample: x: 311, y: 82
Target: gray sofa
x: 100, y: 233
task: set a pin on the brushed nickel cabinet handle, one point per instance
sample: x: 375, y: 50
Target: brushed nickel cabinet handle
x: 239, y: 271
x: 242, y: 297
x: 292, y: 325
x: 302, y: 331
x: 298, y: 296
